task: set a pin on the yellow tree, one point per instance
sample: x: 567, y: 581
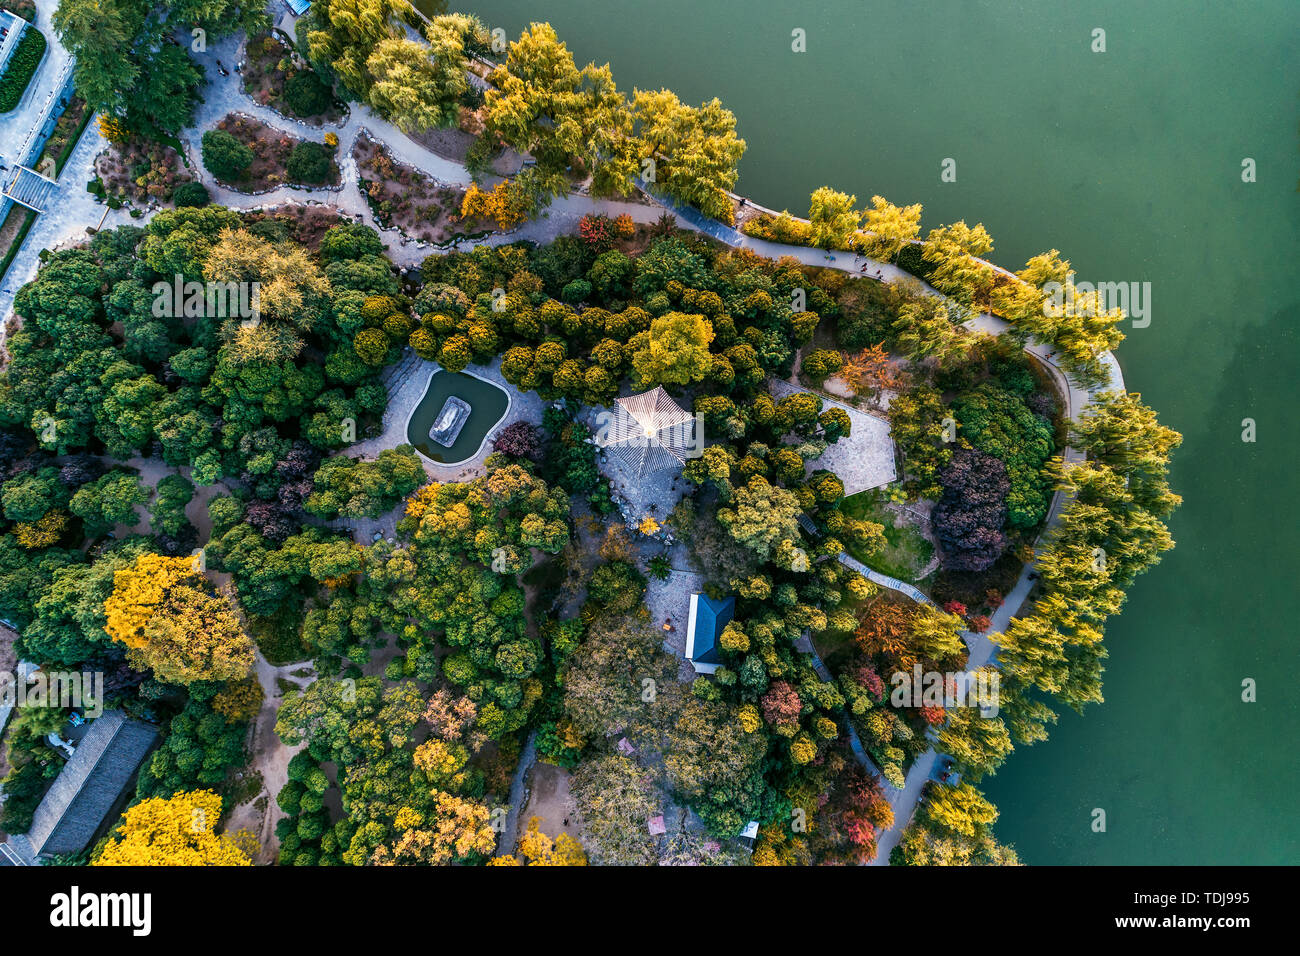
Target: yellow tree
x: 695, y: 150
x: 540, y: 850
x: 1047, y: 305
x: 163, y: 610
x: 291, y: 287
x: 955, y: 252
x: 454, y: 829
x: 418, y: 86
x: 497, y: 204
x: 928, y: 326
x: 675, y: 349
x: 409, y: 87
x: 833, y: 218
x: 610, y: 147
x: 889, y: 228
x: 177, y: 831
x: 534, y: 99
x: 936, y: 637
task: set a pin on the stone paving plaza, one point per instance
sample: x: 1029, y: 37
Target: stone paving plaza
x: 865, y: 458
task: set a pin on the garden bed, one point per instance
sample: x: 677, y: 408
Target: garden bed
x: 23, y: 8
x: 12, y: 233
x: 140, y: 171
x: 304, y: 225
x: 272, y: 157
x: 67, y: 133
x: 401, y: 197
x: 276, y: 77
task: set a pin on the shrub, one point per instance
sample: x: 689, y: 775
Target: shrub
x: 820, y: 364
x: 309, y: 163
x: 349, y: 241
x: 519, y: 439
x: 576, y: 291
x: 306, y: 95
x: 226, y: 157
x: 113, y: 129
x: 191, y: 194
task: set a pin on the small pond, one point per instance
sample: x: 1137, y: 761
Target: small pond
x: 487, y: 404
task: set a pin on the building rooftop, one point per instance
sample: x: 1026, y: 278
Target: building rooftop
x: 708, y: 619
x: 75, y: 807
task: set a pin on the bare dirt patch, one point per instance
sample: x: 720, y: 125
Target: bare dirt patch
x: 550, y: 802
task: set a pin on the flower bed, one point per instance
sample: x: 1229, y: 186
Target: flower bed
x: 140, y: 170
x: 401, y: 197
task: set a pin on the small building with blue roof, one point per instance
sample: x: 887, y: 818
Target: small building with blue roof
x: 704, y: 629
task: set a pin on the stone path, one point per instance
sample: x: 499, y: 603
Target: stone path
x: 864, y: 458
x: 270, y: 758
x: 510, y: 833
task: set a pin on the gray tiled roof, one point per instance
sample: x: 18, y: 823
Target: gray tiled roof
x: 74, y: 808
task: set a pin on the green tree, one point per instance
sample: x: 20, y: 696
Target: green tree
x: 226, y: 157
x: 833, y: 218
x: 174, y: 492
x: 308, y: 163
x: 354, y: 488
x: 109, y: 501
x: 675, y: 350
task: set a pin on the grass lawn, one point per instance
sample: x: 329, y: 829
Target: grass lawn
x: 834, y: 649
x: 907, y: 552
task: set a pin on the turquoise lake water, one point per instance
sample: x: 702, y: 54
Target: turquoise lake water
x: 1129, y: 162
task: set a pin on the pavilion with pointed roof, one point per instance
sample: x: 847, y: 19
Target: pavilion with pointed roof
x: 649, y: 432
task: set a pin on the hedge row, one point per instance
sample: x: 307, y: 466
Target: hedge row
x: 21, y: 68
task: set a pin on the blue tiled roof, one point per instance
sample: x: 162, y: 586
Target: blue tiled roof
x: 299, y: 7
x: 711, y: 617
